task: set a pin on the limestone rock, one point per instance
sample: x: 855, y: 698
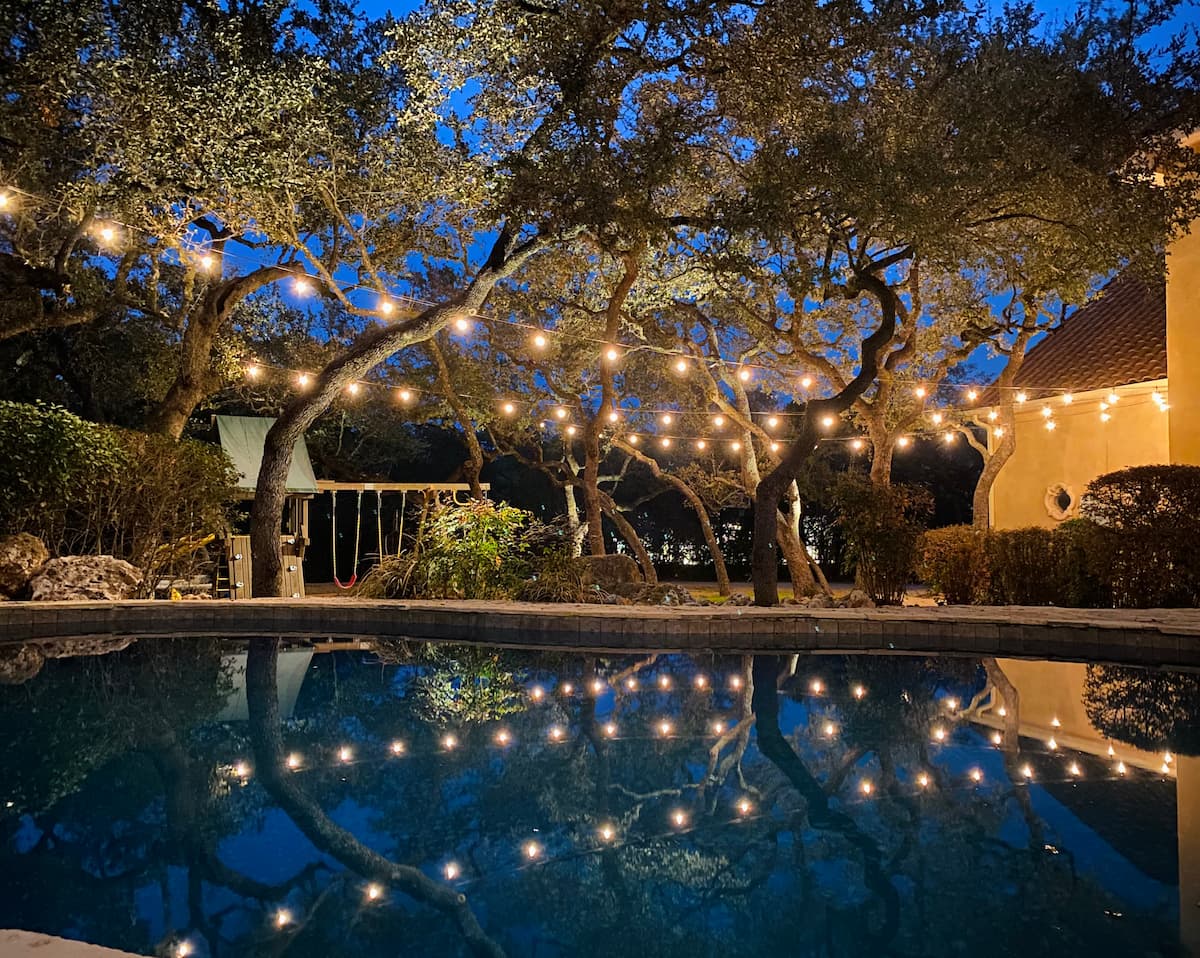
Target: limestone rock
x: 85, y: 577
x: 22, y: 556
x: 19, y: 663
x: 821, y: 601
x: 738, y: 598
x: 95, y: 645
x: 664, y: 595
x: 606, y: 571
x: 857, y: 599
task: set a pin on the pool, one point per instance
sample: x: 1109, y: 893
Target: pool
x: 252, y: 797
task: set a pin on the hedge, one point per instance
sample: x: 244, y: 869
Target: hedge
x: 1137, y: 545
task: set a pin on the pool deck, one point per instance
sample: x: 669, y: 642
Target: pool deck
x: 1162, y: 637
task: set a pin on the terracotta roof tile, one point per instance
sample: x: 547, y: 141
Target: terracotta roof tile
x: 1120, y: 337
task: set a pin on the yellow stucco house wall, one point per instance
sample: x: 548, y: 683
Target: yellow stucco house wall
x: 1140, y: 345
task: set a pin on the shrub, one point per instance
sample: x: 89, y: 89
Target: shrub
x: 85, y: 488
x: 882, y: 526
x: 472, y: 551
x: 1023, y: 566
x: 1084, y: 564
x: 953, y: 562
x: 1153, y: 513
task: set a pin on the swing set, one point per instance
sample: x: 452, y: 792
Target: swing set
x: 403, y: 489
x: 243, y: 438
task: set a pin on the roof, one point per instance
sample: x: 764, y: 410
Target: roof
x: 1120, y: 337
x: 243, y: 438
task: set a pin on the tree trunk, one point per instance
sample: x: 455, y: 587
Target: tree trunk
x: 697, y: 504
x: 883, y: 449
x: 194, y: 378
x: 372, y: 348
x: 629, y: 534
x: 992, y: 464
x: 474, y: 464
x: 578, y: 529
x: 330, y: 838
x: 590, y: 483
x: 771, y: 488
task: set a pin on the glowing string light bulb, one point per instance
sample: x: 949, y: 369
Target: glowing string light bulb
x: 681, y: 366
x: 939, y: 734
x: 610, y: 729
x: 1021, y: 397
x: 700, y: 681
x: 866, y: 787
x: 920, y: 392
x: 665, y: 442
x: 679, y: 818
x: 386, y: 307
x: 560, y: 413
x: 744, y: 806
x: 303, y: 380
x: 404, y: 395
x: 816, y: 686
x: 1047, y: 412
x: 936, y: 418
x: 976, y: 775
x: 772, y: 422
x: 718, y: 421
x: 302, y: 287
x: 923, y: 780
x: 1051, y: 425
x: 556, y: 733
x: 972, y: 394
x: 353, y: 389
x: 509, y: 409
x: 664, y: 728
x: 993, y: 415
x: 828, y: 422
x: 701, y: 444
x: 397, y: 747
x: 606, y: 832
x: 743, y: 373
x: 1067, y: 399
x: 537, y: 693
x: 666, y: 419
x: 183, y: 949
x: 1027, y: 771
x: 374, y: 892
x: 859, y: 692
x: 462, y: 324
x: 1112, y: 398
x: 451, y: 871
x: 293, y: 761
x: 830, y: 730
x: 345, y: 754
x: 1074, y: 769
x: 449, y: 742
x: 539, y: 341
x: 503, y: 737
x: 856, y: 445
x: 903, y: 442
x: 283, y: 918
x: 612, y: 355
x: 1121, y: 768
x: 532, y: 851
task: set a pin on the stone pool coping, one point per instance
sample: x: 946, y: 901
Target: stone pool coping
x: 1160, y: 637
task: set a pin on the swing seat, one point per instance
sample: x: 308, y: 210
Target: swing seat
x: 347, y: 585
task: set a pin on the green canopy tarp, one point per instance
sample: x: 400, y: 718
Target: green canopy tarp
x: 243, y: 438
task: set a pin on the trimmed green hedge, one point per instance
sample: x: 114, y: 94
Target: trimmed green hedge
x: 85, y: 488
x: 1137, y: 545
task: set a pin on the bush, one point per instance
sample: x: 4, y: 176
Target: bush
x: 953, y: 562
x: 882, y: 526
x: 481, y: 550
x: 85, y: 488
x: 1023, y: 566
x: 1153, y: 516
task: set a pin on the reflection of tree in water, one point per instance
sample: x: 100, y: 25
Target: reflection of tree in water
x: 1146, y: 709
x: 816, y: 869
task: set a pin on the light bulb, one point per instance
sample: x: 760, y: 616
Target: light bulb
x: 462, y: 324
x: 679, y: 818
x: 700, y: 443
x: 610, y: 729
x: 735, y: 682
x: 1021, y: 397
x: 1047, y: 412
x: 612, y: 355
x: 806, y: 382
x: 816, y: 686
x: 539, y: 341
x: 919, y: 392
x: 774, y: 447
x: 631, y: 683
x: 449, y: 742
x: 772, y: 422
x: 353, y: 389
x: 397, y: 747
x: 1074, y: 769
x: 718, y: 421
x: 665, y: 442
x: 664, y: 728
x: 253, y: 370
x: 374, y: 892
x: 972, y: 394
x: 293, y: 761
x: 302, y: 287
x: 571, y: 430
x: 283, y: 918
x: 745, y: 806
x: 948, y: 436
x: 451, y: 870
x: 681, y: 366
x: 859, y: 691
x: 509, y: 408
x: 241, y: 770
x: 1105, y: 417
x: 903, y: 442
x: 998, y: 431
x: 302, y: 380
x: 939, y: 734
x: 700, y: 681
x: 923, y: 780
x: 560, y: 412
x: 718, y: 727
x: 856, y: 445
x: 614, y: 416
x: 866, y: 787
x: 997, y: 738
x: 532, y: 850
x: 1067, y: 399
x: 666, y: 419
x: 606, y: 833
x: 386, y: 307
x: 207, y: 262
x: 993, y: 415
x: 597, y: 686
x: 829, y: 730
x: 936, y: 418
x: 1121, y: 768
x: 633, y: 439
x: 1051, y: 425
x: 556, y: 733
x: 503, y: 737
x: 827, y: 421
x: 1112, y: 398
x: 1027, y: 771
x: 736, y: 446
x: 976, y: 775
x: 345, y: 754
x: 743, y: 374
x: 567, y: 688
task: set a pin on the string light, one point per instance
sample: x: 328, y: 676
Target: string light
x: 532, y: 850
x: 816, y: 686
x: 631, y: 683
x: 681, y: 366
x: 1052, y: 744
x: 856, y: 445
x: 302, y: 287
x: 1112, y: 398
x: 743, y: 373
x: 283, y: 918
x: 735, y: 446
x: 614, y: 416
x: 828, y: 422
x: 612, y: 355
x: 972, y: 394
x: 571, y: 430
x: 903, y: 442
x: 183, y: 949
x: 923, y: 780
x: 598, y: 686
x: 345, y: 754
x: 539, y: 341
x: 1047, y: 412
x: 1055, y: 723
x: 948, y: 436
x: 293, y: 761
x: 718, y: 728
x: 700, y: 444
x: 679, y: 818
x: 806, y: 382
x: 998, y: 431
x: 610, y: 729
x: 937, y: 418
x: 976, y: 775
x: 1105, y: 417
x: 405, y: 395
x: 449, y: 742
x: 1074, y: 769
x: 509, y: 409
x: 939, y: 734
x: 830, y: 730
x: 1121, y: 768
x: 1027, y: 771
x: 1021, y: 397
x: 302, y: 380
x: 744, y: 806
x: 772, y: 422
x: 700, y: 681
x: 735, y: 682
x: 556, y: 733
x: 866, y: 787
x: 374, y: 892
x: 1051, y: 425
x: 462, y: 324
x: 386, y: 307
x: 606, y: 832
x: 993, y: 415
x: 997, y: 738
x: 451, y: 871
x: 1067, y: 399
x: 666, y: 419
x: 633, y: 439
x: 919, y: 392
x: 503, y: 737
x: 664, y: 728
x: 397, y: 747
x: 253, y: 370
x: 353, y: 389
x: 718, y: 421
x: 241, y: 770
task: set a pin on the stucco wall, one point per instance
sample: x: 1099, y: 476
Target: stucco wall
x: 1079, y: 448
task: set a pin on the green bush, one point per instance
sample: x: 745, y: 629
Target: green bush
x: 953, y: 561
x: 1152, y: 515
x: 1084, y: 564
x: 475, y: 551
x: 1023, y: 566
x: 85, y: 488
x: 882, y: 526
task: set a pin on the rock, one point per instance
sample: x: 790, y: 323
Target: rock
x: 85, y: 577
x: 820, y: 601
x: 664, y: 595
x: 22, y: 556
x: 608, y: 571
x: 739, y: 598
x: 98, y: 645
x: 857, y: 599
x: 19, y: 663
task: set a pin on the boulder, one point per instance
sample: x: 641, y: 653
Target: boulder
x: 606, y: 571
x: 664, y: 595
x: 19, y: 663
x: 820, y: 601
x: 95, y: 645
x: 85, y: 577
x: 738, y: 598
x: 857, y: 599
x: 22, y: 556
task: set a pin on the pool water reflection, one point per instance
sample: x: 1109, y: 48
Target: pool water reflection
x: 247, y: 798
